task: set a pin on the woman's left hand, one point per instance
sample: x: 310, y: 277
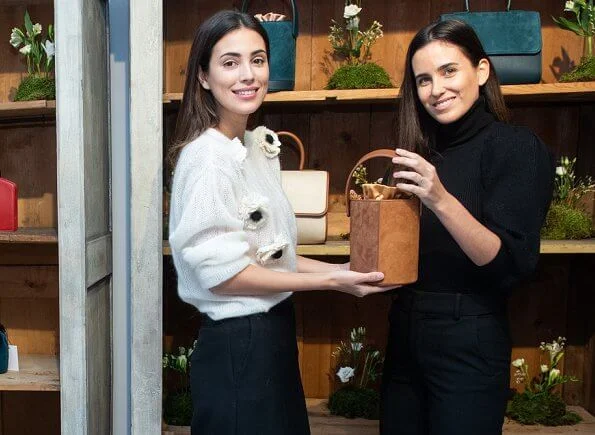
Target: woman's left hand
x: 427, y: 185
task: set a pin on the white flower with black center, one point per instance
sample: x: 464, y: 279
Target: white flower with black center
x: 345, y: 373
x: 268, y: 141
x: 254, y: 211
x: 274, y: 251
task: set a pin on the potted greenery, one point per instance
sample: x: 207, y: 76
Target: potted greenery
x: 353, y: 45
x: 357, y: 366
x: 177, y: 400
x: 538, y: 403
x: 39, y: 52
x: 565, y: 218
x: 584, y: 26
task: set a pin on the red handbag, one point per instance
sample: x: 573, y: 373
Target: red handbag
x: 8, y: 205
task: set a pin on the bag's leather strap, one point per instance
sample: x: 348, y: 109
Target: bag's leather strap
x: 507, y: 5
x: 385, y: 152
x: 299, y: 145
x: 294, y: 12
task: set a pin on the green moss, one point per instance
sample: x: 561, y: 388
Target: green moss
x: 352, y: 402
x: 362, y: 76
x: 564, y: 222
x: 584, y: 72
x: 546, y: 409
x: 36, y: 87
x: 177, y: 409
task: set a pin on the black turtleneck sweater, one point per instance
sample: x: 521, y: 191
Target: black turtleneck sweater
x: 503, y: 175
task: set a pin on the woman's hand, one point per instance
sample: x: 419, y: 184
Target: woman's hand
x: 428, y: 187
x: 356, y: 283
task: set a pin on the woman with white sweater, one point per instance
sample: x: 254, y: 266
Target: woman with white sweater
x: 233, y: 240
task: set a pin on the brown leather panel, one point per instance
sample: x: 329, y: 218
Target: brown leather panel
x: 363, y: 239
x: 399, y: 240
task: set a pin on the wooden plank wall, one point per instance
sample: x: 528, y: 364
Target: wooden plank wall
x: 335, y: 136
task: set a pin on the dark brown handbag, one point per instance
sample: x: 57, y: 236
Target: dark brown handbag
x: 384, y: 233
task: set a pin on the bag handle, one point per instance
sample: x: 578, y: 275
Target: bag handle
x: 384, y: 152
x: 294, y: 12
x: 299, y: 145
x: 507, y: 5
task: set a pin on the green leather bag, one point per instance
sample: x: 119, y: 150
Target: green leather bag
x: 282, y: 38
x: 511, y: 39
x: 3, y: 350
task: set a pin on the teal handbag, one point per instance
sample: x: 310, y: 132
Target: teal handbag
x: 3, y: 350
x: 511, y: 39
x: 282, y: 37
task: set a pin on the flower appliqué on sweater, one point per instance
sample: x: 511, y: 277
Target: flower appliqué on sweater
x: 270, y: 253
x: 254, y: 211
x: 268, y: 141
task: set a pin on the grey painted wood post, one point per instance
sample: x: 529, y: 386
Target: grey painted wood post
x: 84, y: 236
x: 146, y: 264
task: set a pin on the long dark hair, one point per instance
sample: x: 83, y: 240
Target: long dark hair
x: 415, y: 126
x: 198, y: 110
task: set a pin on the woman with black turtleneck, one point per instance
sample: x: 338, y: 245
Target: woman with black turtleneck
x: 485, y: 186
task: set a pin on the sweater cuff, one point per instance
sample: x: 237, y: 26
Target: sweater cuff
x: 499, y: 264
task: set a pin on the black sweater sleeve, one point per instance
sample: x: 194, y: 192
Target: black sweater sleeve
x: 517, y: 180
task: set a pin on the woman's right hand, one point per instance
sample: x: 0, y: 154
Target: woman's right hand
x: 357, y: 283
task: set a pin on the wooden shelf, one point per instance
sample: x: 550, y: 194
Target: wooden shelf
x: 30, y: 235
x: 585, y: 246
x: 552, y: 92
x: 341, y: 247
x: 37, y: 373
x: 27, y: 109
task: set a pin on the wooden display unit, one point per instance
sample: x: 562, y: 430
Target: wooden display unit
x: 337, y: 127
x: 29, y: 257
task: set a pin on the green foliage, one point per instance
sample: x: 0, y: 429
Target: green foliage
x: 354, y: 402
x: 584, y: 72
x: 361, y: 76
x: 36, y: 87
x: 177, y: 409
x: 177, y: 405
x: 546, y: 408
x: 584, y: 17
x: 565, y: 222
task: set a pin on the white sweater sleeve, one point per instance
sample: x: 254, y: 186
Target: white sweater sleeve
x: 209, y: 234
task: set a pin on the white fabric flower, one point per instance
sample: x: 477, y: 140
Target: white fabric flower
x: 254, y: 211
x: 37, y: 29
x: 48, y: 47
x: 271, y: 252
x: 569, y: 6
x: 26, y: 49
x: 351, y: 11
x: 518, y: 363
x: 560, y: 170
x: 544, y: 368
x: 16, y: 37
x: 268, y: 141
x: 357, y: 346
x: 345, y: 373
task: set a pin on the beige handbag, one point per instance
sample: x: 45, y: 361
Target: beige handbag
x: 307, y: 191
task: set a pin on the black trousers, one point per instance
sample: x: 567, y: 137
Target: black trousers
x: 245, y: 376
x: 447, y: 368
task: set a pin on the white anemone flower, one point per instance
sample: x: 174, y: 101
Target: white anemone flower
x: 569, y: 6
x: 518, y: 363
x: 345, y: 373
x: 49, y: 48
x: 26, y: 49
x: 554, y: 374
x: 37, y: 29
x: 560, y: 170
x: 544, y: 368
x: 351, y: 11
x: 16, y: 37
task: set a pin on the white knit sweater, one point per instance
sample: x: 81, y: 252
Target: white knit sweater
x: 228, y: 210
